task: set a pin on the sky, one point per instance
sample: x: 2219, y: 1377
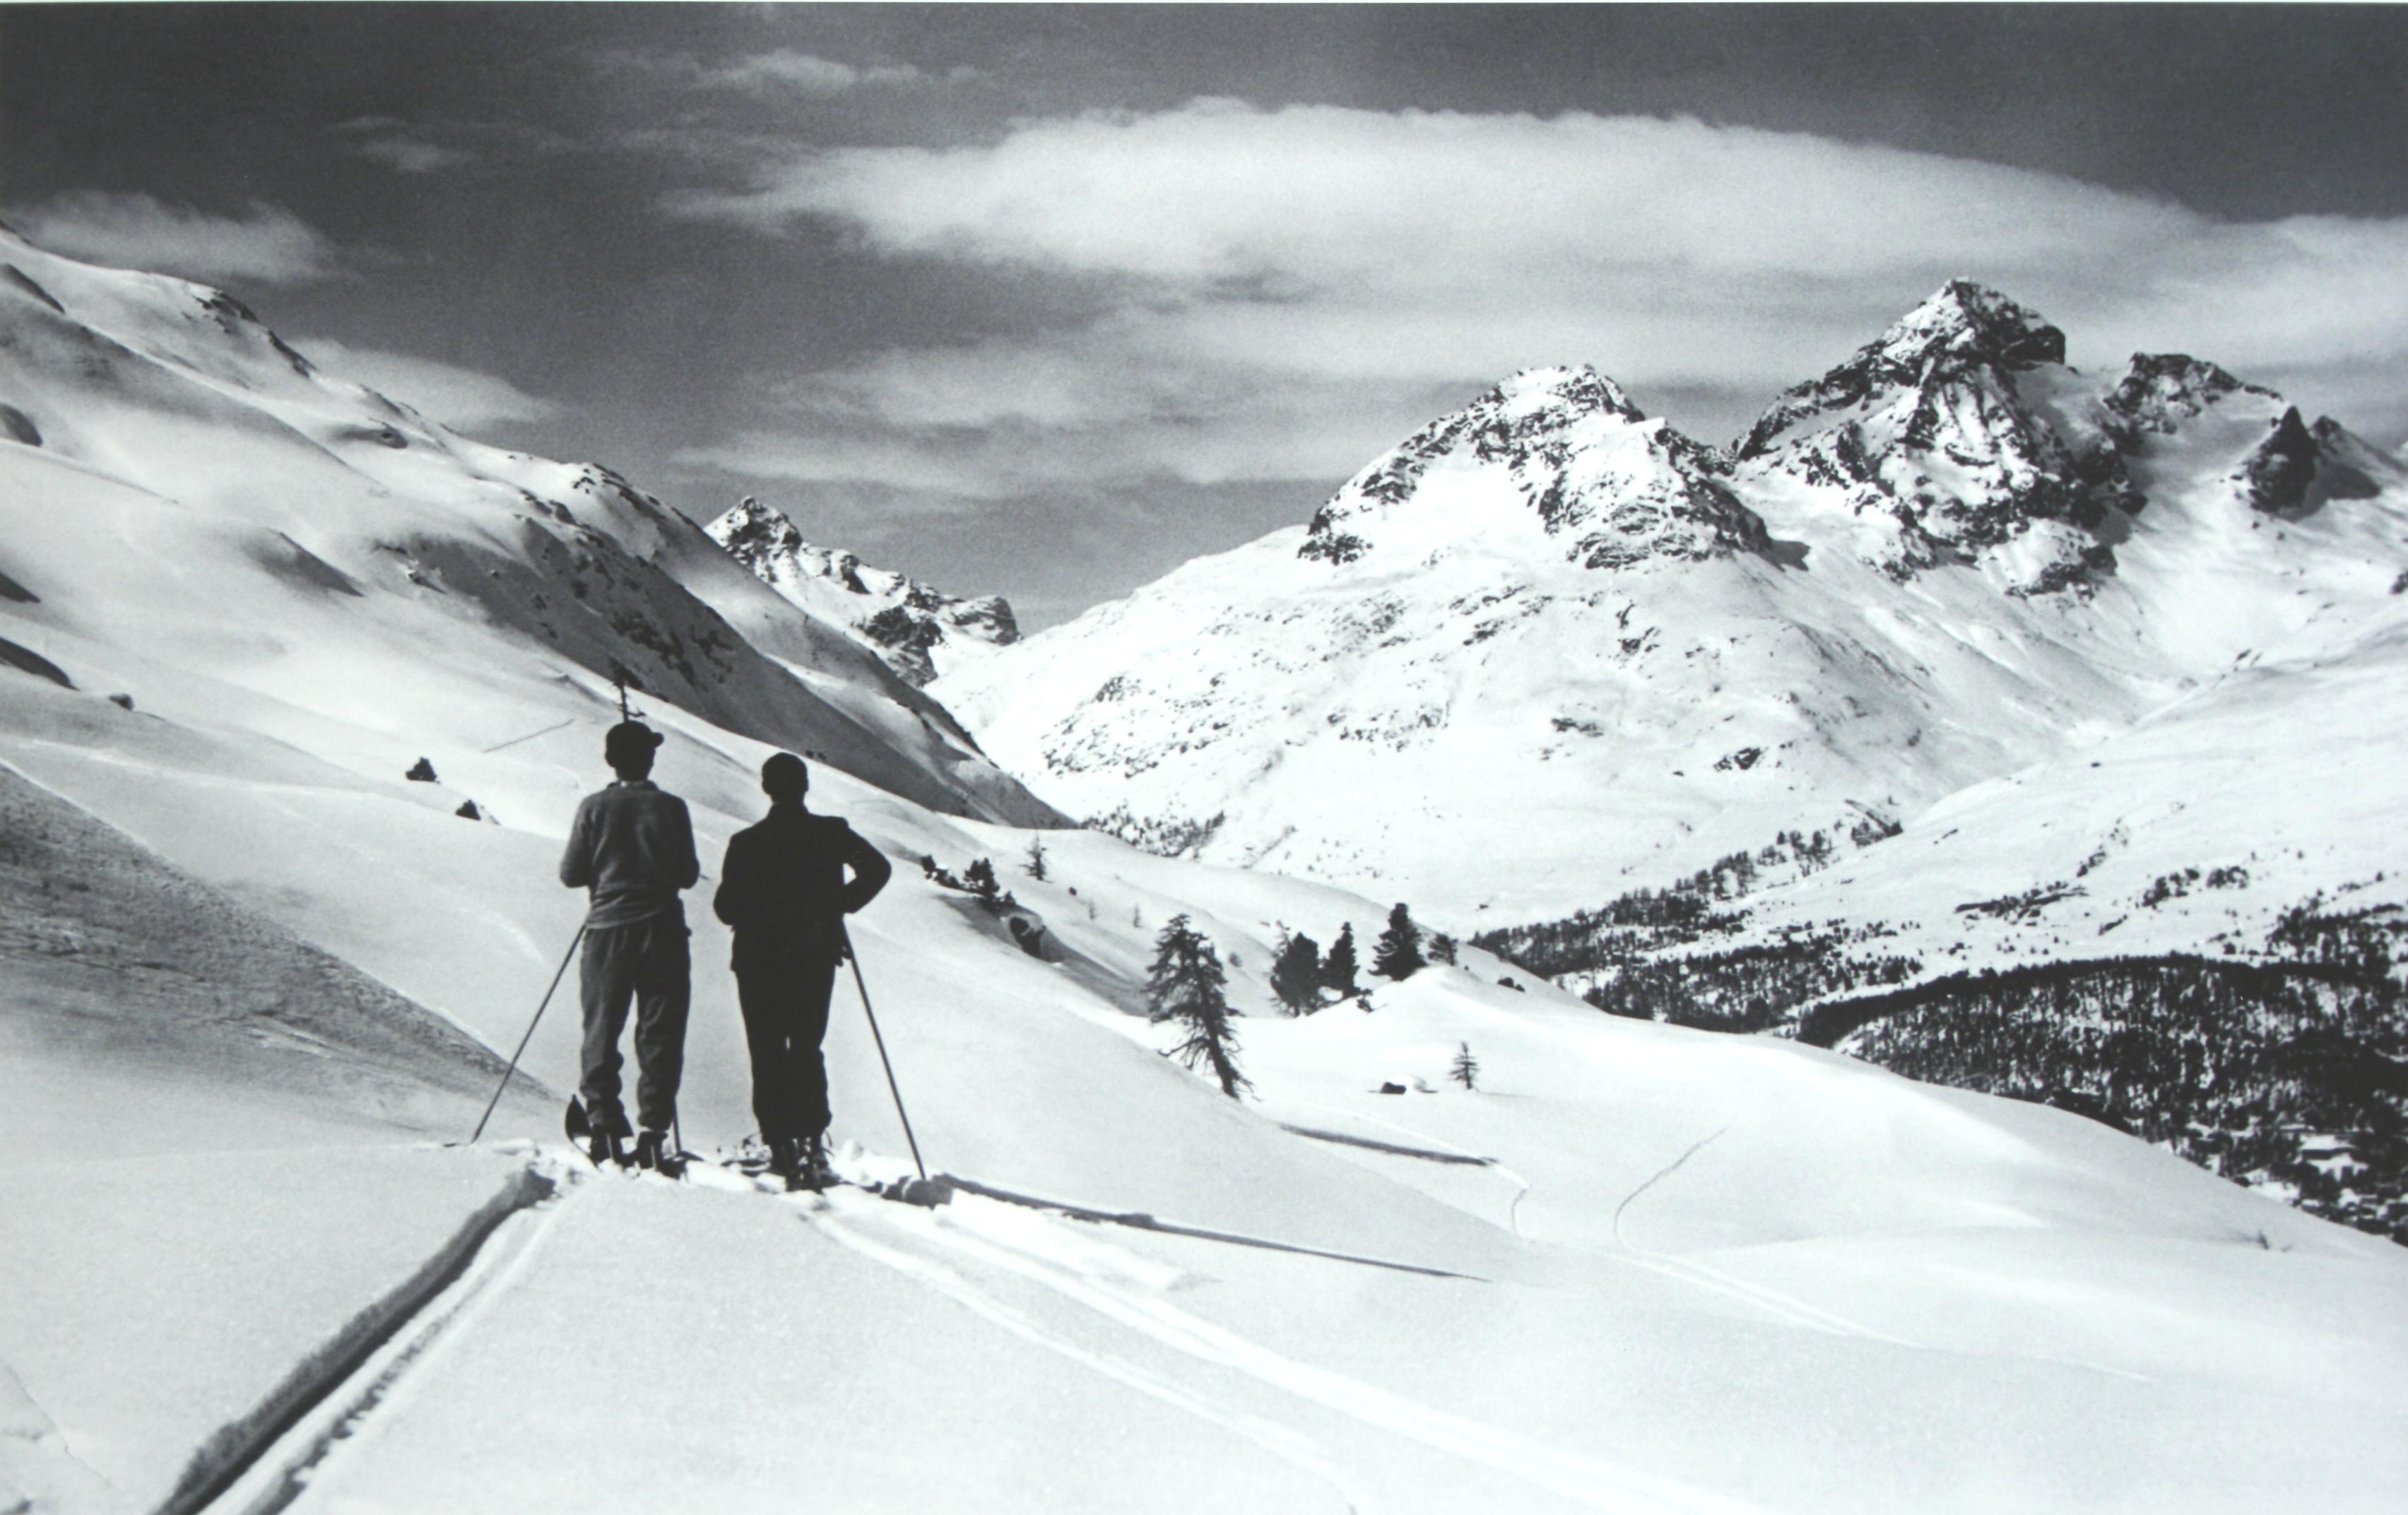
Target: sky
x: 1043, y: 301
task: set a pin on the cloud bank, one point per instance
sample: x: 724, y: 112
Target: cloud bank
x: 266, y: 245
x: 462, y: 398
x: 1267, y: 290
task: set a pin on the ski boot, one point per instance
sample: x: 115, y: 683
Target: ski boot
x: 813, y: 1161
x: 654, y: 1152
x: 601, y: 1143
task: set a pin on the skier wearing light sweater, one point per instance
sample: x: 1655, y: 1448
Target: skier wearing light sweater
x: 632, y: 847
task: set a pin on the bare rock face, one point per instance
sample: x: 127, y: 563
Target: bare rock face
x: 1955, y: 431
x: 905, y: 621
x: 2276, y: 476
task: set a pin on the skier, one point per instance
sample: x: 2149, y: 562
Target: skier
x: 632, y: 846
x: 784, y: 890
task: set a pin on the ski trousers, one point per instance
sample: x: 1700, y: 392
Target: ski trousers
x: 645, y: 962
x: 785, y: 1003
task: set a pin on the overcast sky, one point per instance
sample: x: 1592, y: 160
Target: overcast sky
x: 1043, y: 301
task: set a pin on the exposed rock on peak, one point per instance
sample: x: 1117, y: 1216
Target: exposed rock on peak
x: 902, y: 619
x: 1963, y: 332
x: 1948, y: 436
x: 1617, y: 488
x: 2160, y: 391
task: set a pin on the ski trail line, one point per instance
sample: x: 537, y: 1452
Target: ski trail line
x: 1289, y: 1446
x: 1657, y: 1178
x: 1522, y: 1185
x: 1141, y: 1221
x: 1399, y: 1149
x: 1782, y: 1304
x: 1574, y: 1476
x: 273, y: 1468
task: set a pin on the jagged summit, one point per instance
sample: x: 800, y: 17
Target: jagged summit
x: 1962, y: 332
x: 2160, y: 391
x: 902, y: 619
x: 1610, y: 486
x: 1959, y: 432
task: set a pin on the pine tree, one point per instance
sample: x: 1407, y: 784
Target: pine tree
x: 1036, y: 864
x: 1186, y: 985
x: 1467, y: 1067
x: 1296, y: 974
x: 1441, y: 946
x: 1337, y: 969
x: 979, y: 876
x: 1399, y: 953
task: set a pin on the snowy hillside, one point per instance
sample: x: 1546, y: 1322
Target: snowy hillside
x: 1548, y: 649
x: 919, y: 631
x: 251, y: 977
x: 224, y: 526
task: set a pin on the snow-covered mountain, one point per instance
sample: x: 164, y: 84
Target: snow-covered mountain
x: 224, y: 528
x: 1548, y: 649
x: 251, y: 977
x: 919, y: 631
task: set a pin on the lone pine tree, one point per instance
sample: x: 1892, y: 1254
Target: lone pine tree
x: 1337, y: 969
x: 1467, y: 1067
x: 1296, y: 974
x: 1036, y: 864
x: 1187, y: 986
x: 1398, y: 953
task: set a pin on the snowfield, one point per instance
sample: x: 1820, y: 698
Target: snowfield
x: 253, y: 980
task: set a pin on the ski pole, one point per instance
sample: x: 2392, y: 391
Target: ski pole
x: 539, y: 1008
x: 879, y: 1036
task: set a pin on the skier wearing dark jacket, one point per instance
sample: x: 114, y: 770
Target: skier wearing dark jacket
x: 632, y: 846
x: 784, y: 891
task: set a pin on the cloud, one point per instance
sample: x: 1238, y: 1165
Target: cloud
x: 781, y: 72
x: 1267, y: 288
x: 266, y: 245
x: 462, y: 398
x: 783, y: 68
x: 399, y: 146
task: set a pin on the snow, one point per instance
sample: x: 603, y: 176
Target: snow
x: 1692, y: 1273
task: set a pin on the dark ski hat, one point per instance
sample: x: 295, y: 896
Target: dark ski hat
x: 783, y: 776
x: 630, y: 739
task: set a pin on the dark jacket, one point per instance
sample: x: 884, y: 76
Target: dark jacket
x: 784, y: 888
x: 633, y: 846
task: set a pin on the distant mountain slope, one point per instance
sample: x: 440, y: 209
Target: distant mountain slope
x: 917, y: 629
x: 1548, y: 649
x: 194, y: 493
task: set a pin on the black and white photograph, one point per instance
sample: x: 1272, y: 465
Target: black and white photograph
x: 1094, y: 759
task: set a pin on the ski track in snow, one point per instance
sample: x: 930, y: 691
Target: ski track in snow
x: 1469, y: 1158
x: 1290, y: 1446
x: 1574, y: 1476
x: 345, y: 1417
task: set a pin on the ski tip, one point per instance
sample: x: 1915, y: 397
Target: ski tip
x: 925, y: 1192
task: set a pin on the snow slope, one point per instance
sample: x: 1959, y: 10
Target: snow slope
x: 1548, y: 649
x: 1638, y: 1269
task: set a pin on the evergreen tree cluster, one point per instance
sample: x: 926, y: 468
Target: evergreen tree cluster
x: 2289, y: 1076
x: 1743, y: 989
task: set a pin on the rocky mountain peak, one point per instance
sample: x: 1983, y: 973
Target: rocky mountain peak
x: 2160, y: 391
x: 1952, y: 435
x: 1618, y: 487
x: 1964, y: 333
x: 902, y: 619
